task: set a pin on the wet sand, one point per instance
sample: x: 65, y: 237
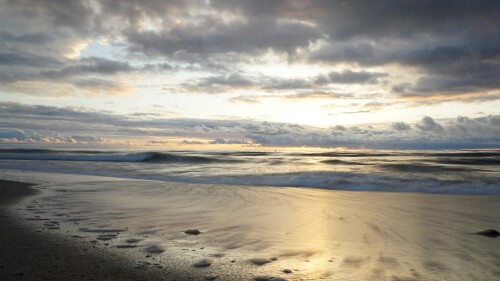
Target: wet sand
x: 26, y: 254
x: 250, y: 233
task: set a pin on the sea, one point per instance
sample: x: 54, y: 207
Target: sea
x: 447, y: 172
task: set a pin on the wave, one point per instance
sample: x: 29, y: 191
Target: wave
x: 422, y: 168
x: 51, y: 151
x: 468, y: 161
x: 344, y: 154
x: 93, y: 156
x: 342, y: 162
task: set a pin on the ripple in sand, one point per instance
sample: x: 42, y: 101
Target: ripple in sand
x: 154, y: 249
x: 106, y: 237
x: 51, y: 223
x: 126, y: 246
x: 435, y: 265
x: 37, y: 218
x: 133, y: 240
x: 53, y: 227
x: 102, y: 230
x: 390, y: 261
x: 402, y: 278
x: 142, y: 264
x: 354, y: 261
x: 268, y: 278
x: 203, y: 263
x: 210, y: 277
x: 259, y: 261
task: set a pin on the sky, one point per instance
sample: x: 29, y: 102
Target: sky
x: 410, y: 74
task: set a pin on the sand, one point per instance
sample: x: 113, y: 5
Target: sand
x: 26, y: 254
x: 138, y: 230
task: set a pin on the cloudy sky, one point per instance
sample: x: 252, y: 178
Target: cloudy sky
x: 251, y: 73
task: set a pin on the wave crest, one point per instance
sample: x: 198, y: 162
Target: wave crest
x: 153, y: 157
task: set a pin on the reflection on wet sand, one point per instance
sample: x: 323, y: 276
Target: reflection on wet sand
x: 293, y: 233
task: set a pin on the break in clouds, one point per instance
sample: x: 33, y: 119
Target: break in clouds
x: 350, y: 57
x: 54, y: 125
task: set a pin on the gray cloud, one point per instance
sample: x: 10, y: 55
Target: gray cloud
x: 192, y: 142
x: 224, y: 141
x: 353, y: 77
x: 401, y: 126
x: 248, y: 37
x: 20, y: 136
x: 79, y: 73
x: 31, y: 38
x: 12, y: 134
x: 91, y: 65
x: 428, y: 124
x: 27, y: 59
x: 226, y: 83
x: 245, y: 99
x: 452, y: 46
x: 407, y: 18
x: 49, y: 122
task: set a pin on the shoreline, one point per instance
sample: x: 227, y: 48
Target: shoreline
x: 30, y: 251
x: 27, y: 254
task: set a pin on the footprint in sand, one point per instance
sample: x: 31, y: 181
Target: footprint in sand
x: 355, y: 261
x: 259, y: 261
x: 388, y: 261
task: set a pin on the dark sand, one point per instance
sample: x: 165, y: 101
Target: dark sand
x: 26, y: 254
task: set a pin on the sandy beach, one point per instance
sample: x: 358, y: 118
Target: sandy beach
x: 28, y: 254
x: 100, y: 228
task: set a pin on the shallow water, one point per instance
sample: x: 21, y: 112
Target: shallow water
x: 318, y: 234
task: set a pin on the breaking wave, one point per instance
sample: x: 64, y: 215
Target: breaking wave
x: 95, y: 156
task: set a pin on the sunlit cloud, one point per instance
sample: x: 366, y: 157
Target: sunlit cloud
x: 45, y: 124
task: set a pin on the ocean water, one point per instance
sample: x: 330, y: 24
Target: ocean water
x: 449, y: 172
